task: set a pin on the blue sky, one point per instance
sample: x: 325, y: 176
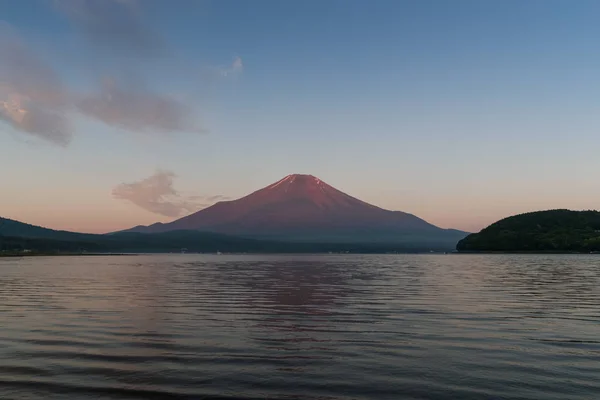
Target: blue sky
x: 459, y: 112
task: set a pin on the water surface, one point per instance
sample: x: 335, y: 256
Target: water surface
x: 300, y: 327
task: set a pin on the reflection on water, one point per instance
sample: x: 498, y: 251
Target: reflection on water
x: 300, y: 327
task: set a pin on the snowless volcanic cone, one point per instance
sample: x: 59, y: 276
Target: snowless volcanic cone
x: 299, y: 205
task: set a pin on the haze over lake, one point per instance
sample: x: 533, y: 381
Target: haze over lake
x: 300, y: 327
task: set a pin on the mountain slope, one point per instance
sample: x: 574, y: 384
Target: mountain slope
x: 302, y: 207
x: 47, y: 241
x: 19, y: 235
x: 9, y: 227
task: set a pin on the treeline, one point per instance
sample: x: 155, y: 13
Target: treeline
x: 10, y: 244
x: 193, y: 241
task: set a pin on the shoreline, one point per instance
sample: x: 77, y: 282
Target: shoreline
x: 526, y: 252
x: 17, y: 255
x: 22, y: 255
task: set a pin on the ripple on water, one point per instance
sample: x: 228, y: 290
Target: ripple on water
x: 300, y: 327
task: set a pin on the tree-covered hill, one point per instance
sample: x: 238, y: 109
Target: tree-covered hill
x: 540, y: 231
x: 16, y: 236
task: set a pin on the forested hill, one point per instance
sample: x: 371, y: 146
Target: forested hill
x: 540, y: 231
x: 12, y: 228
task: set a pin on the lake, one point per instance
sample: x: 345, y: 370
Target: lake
x: 300, y: 327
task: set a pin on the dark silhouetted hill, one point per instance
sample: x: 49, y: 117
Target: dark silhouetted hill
x: 541, y: 231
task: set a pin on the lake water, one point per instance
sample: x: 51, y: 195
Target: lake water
x: 300, y: 327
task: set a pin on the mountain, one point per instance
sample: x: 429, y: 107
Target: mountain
x: 299, y: 213
x: 540, y: 231
x: 191, y: 241
x: 304, y: 208
x: 9, y: 227
x: 16, y: 237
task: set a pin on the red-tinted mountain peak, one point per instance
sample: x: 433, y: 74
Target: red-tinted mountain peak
x: 298, y: 204
x: 296, y: 180
x: 306, y: 189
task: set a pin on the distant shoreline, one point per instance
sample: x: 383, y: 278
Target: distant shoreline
x: 23, y: 255
x: 17, y: 255
x: 526, y: 252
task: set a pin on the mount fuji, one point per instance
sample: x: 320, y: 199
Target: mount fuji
x: 304, y: 208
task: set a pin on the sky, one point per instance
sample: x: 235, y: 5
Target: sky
x: 115, y: 113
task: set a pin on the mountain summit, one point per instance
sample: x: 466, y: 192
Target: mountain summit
x: 303, y: 207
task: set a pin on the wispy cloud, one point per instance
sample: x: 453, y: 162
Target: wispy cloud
x: 34, y: 99
x: 230, y: 71
x: 236, y: 68
x: 158, y: 195
x: 120, y: 27
x: 216, y: 198
x: 135, y: 107
x: 32, y: 96
x: 114, y: 25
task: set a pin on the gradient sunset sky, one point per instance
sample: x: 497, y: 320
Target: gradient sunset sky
x: 115, y: 113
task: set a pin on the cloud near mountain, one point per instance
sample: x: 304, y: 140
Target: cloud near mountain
x: 158, y: 195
